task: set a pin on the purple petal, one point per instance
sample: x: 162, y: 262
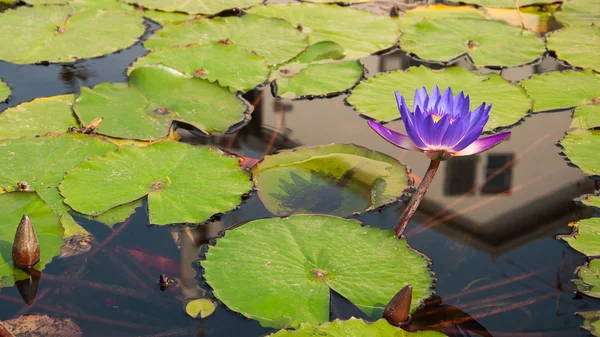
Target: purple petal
x: 456, y: 131
x: 420, y: 96
x: 482, y: 144
x: 438, y: 132
x: 412, y: 123
x: 446, y: 104
x: 473, y: 132
x: 393, y: 137
x: 433, y: 99
x: 461, y: 105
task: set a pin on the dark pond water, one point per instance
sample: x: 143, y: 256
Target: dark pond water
x: 488, y: 223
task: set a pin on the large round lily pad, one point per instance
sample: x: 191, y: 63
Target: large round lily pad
x: 580, y: 12
x: 55, y: 34
x: 592, y: 321
x: 224, y: 63
x: 332, y: 179
x: 589, y: 279
x: 582, y: 148
x: 353, y: 328
x: 184, y: 183
x: 46, y: 224
x: 586, y: 236
x: 561, y: 90
x: 39, y: 164
x: 360, y: 33
x: 4, y: 91
x: 275, y: 40
x: 279, y: 271
x: 317, y: 72
x: 156, y: 96
x: 487, y: 42
x: 194, y: 6
x: 38, y: 117
x: 375, y: 96
x: 576, y: 44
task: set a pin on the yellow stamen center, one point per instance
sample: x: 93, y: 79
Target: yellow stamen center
x: 436, y: 118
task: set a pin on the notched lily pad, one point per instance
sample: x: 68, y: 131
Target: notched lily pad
x: 316, y: 73
x: 155, y: 96
x: 224, y: 63
x: 585, y: 237
x: 592, y: 321
x: 576, y: 44
x: 332, y: 179
x: 277, y: 41
x: 202, y: 307
x: 562, y: 90
x: 47, y: 226
x: 279, y: 271
x: 184, y: 183
x: 374, y: 97
x: 438, y: 11
x: 589, y: 279
x: 4, y: 91
x: 353, y: 327
x: 506, y: 3
x: 360, y: 33
x: 56, y: 34
x: 118, y: 214
x: 487, y: 42
x: 592, y: 200
x: 586, y: 116
x: 38, y: 117
x: 194, y: 6
x: 582, y: 148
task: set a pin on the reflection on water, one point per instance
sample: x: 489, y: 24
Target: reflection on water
x: 488, y: 222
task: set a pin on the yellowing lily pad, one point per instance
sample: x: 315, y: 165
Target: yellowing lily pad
x: 46, y: 224
x: 4, y: 91
x: 202, y: 307
x: 194, y: 6
x: 562, y: 90
x: 184, y: 183
x: 585, y: 237
x: 506, y: 3
x: 155, y: 96
x: 55, y: 34
x: 374, y: 97
x: 224, y: 63
x: 332, y: 179
x: 487, y: 42
x: 533, y: 19
x: 353, y: 327
x: 580, y: 13
x: 576, y: 44
x: 589, y: 279
x: 38, y: 117
x: 592, y: 321
x: 360, y: 33
x: 280, y: 271
x: 582, y: 148
x: 277, y: 41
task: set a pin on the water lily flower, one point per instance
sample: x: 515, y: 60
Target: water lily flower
x: 442, y: 126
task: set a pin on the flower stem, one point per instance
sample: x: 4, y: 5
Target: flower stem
x: 411, y: 208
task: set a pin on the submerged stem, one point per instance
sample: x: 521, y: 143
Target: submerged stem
x: 416, y: 198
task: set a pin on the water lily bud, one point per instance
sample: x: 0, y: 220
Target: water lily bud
x: 26, y: 248
x: 397, y: 311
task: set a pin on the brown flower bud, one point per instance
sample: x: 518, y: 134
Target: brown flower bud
x: 397, y: 311
x: 26, y: 248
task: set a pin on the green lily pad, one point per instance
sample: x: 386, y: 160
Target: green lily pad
x: 591, y: 200
x: 353, y: 328
x: 580, y: 12
x: 156, y: 96
x: 277, y: 41
x: 45, y: 222
x: 194, y: 6
x: 360, y: 33
x: 38, y: 117
x: 226, y: 64
x: 585, y: 238
x: 279, y: 271
x: 576, y: 44
x: 592, y: 321
x: 582, y: 148
x: 487, y: 42
x: 47, y: 2
x: 168, y: 18
x: 118, y: 214
x: 586, y: 117
x: 184, y: 183
x: 562, y: 90
x: 316, y: 72
x: 82, y: 5
x: 375, y: 96
x: 506, y: 3
x: 55, y: 34
x: 438, y: 11
x: 332, y: 179
x: 42, y: 162
x: 4, y: 91
x: 202, y: 307
x: 589, y: 279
